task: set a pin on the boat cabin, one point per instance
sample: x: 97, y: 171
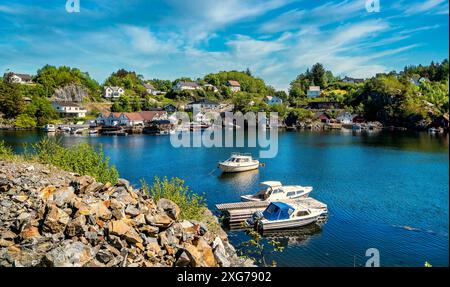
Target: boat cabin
x: 280, y: 210
x: 240, y: 158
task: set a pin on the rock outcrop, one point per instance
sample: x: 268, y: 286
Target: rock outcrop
x: 70, y: 93
x: 50, y: 217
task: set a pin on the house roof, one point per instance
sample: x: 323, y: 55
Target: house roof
x: 353, y: 79
x: 268, y: 98
x: 344, y: 114
x: 148, y: 86
x: 188, y: 84
x: 23, y: 76
x: 134, y: 116
x: 314, y: 88
x: 114, y: 88
x: 234, y: 83
x: 203, y: 101
x: 67, y: 104
x: 150, y: 115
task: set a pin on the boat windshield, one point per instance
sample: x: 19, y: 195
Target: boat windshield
x: 278, y: 211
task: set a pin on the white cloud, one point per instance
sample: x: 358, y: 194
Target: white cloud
x: 422, y: 6
x: 197, y: 19
x: 327, y: 13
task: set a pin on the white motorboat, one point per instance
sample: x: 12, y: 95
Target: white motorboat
x: 50, y: 128
x: 281, y: 215
x: 275, y: 191
x: 239, y: 162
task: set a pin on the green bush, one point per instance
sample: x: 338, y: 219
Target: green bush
x: 25, y: 121
x: 5, y: 151
x: 81, y: 158
x: 192, y: 205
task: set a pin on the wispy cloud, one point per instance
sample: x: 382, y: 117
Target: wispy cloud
x: 276, y: 39
x: 327, y: 13
x: 423, y: 6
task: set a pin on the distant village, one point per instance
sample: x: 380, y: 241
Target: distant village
x: 161, y: 120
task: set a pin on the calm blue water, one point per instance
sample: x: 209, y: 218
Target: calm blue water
x: 386, y: 191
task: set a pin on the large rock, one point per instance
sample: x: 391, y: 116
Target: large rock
x: 159, y: 220
x: 220, y: 253
x: 70, y: 254
x: 76, y: 226
x: 122, y: 229
x: 56, y: 220
x: 63, y: 195
x: 170, y: 208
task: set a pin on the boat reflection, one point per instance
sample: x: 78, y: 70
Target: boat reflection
x: 290, y: 237
x: 242, y: 180
x: 286, y: 237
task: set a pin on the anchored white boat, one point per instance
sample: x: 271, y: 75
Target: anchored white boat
x: 275, y: 191
x: 281, y: 215
x: 239, y: 162
x: 50, y: 128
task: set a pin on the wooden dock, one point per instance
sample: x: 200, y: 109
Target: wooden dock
x: 236, y: 212
x: 240, y: 211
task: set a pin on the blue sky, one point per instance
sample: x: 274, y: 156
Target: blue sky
x: 276, y: 39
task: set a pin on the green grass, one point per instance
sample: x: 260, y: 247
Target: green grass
x: 81, y: 158
x: 5, y: 151
x: 192, y: 205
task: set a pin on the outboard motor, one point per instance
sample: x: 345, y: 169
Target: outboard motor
x: 254, y: 220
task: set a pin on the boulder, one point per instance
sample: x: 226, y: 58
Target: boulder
x: 63, y: 195
x: 56, y: 220
x: 159, y: 220
x: 170, y: 208
x: 76, y: 226
x: 69, y: 254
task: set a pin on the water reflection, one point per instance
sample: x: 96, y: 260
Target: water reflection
x: 241, y: 181
x: 293, y: 237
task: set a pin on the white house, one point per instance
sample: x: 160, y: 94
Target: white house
x: 351, y: 80
x: 181, y: 86
x: 69, y: 109
x: 417, y: 80
x: 273, y: 100
x: 14, y: 78
x: 209, y: 87
x: 150, y: 89
x: 345, y: 118
x: 203, y: 104
x: 234, y: 86
x: 111, y: 92
x: 313, y: 92
x: 129, y: 119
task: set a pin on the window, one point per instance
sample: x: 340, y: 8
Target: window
x: 302, y: 213
x: 277, y: 191
x: 291, y: 193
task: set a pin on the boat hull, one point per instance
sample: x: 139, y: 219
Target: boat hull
x: 295, y: 197
x: 287, y: 223
x: 231, y: 169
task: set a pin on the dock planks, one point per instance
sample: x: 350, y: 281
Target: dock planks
x: 240, y: 211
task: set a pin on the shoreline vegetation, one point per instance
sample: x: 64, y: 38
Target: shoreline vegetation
x: 414, y: 98
x: 56, y: 213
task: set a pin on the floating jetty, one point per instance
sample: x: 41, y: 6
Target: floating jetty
x: 236, y: 212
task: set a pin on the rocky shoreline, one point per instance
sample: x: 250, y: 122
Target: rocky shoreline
x: 50, y: 217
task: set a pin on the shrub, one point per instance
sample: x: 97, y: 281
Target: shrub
x: 191, y: 205
x: 81, y: 158
x: 5, y: 151
x: 25, y: 121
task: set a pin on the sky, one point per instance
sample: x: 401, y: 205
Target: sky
x: 275, y: 39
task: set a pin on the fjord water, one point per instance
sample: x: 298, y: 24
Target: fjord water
x: 387, y: 191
